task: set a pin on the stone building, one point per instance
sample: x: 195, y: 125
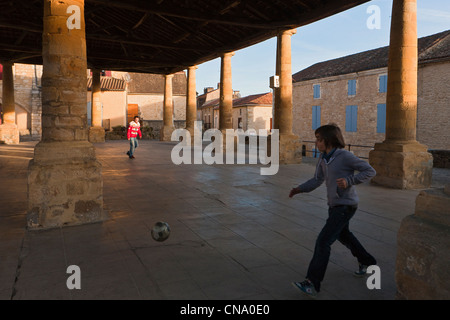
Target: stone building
x: 205, y: 113
x: 351, y: 92
x: 146, y: 93
x: 250, y: 112
x: 114, y: 101
x: 208, y: 106
x: 253, y: 112
x: 27, y: 98
x: 123, y: 95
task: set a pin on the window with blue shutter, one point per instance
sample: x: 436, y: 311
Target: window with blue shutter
x: 351, y: 117
x: 315, y: 152
x: 315, y: 117
x: 382, y: 83
x: 316, y: 89
x: 381, y: 118
x: 351, y: 87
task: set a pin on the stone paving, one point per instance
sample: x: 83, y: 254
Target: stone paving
x: 235, y: 234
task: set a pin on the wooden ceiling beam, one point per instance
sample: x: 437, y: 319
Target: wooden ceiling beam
x: 184, y: 13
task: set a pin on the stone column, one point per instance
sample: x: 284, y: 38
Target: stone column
x: 422, y: 254
x: 400, y: 161
x: 191, y: 101
x: 96, y: 131
x: 36, y: 105
x: 64, y: 179
x: 290, y: 144
x: 9, y: 132
x: 167, y: 129
x: 226, y: 94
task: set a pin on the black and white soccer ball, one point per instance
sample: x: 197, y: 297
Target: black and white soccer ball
x: 160, y: 231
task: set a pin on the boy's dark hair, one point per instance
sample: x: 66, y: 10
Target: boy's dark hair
x: 136, y: 117
x: 332, y: 136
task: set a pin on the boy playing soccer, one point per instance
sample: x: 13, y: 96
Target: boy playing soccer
x: 336, y: 167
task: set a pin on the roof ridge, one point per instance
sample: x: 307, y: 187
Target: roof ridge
x: 371, y: 59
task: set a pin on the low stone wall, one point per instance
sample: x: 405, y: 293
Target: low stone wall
x: 150, y: 130
x: 441, y: 158
x: 157, y: 125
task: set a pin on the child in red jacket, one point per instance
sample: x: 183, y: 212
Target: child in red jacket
x: 133, y: 130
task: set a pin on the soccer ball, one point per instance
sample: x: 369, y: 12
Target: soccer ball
x: 160, y: 231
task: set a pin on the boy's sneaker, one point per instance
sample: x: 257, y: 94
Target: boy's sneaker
x: 128, y: 153
x: 306, y: 287
x: 362, y: 271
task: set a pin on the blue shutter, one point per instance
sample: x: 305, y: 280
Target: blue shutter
x: 316, y: 89
x: 315, y: 117
x: 354, y: 118
x: 381, y: 118
x: 348, y: 118
x: 351, y: 118
x: 383, y: 84
x: 351, y: 87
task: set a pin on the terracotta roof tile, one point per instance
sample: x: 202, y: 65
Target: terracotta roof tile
x: 108, y: 84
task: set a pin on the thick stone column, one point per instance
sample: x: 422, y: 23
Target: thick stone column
x: 423, y: 242
x: 226, y: 93
x: 290, y: 144
x: 9, y: 132
x: 168, y: 127
x: 96, y: 131
x: 191, y: 101
x: 64, y: 178
x: 400, y: 161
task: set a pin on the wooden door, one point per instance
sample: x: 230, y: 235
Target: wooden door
x: 132, y: 111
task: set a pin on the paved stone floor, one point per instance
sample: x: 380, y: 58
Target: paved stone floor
x: 235, y: 234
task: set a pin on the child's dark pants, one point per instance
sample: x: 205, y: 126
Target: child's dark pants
x: 336, y: 228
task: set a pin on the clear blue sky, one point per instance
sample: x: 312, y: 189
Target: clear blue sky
x: 337, y: 36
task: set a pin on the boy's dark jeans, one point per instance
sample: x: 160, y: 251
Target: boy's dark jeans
x: 336, y: 228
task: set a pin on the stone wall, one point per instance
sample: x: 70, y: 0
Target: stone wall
x: 433, y: 113
x: 333, y: 101
x: 27, y: 97
x: 156, y: 126
x: 441, y: 158
x: 151, y: 106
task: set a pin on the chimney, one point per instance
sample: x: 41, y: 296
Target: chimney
x: 208, y: 89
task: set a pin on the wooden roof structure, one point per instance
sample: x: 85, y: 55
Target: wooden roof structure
x: 161, y: 36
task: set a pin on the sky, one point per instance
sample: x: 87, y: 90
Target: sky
x: 334, y: 37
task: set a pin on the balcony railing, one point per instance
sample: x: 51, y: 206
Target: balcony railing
x: 360, y: 151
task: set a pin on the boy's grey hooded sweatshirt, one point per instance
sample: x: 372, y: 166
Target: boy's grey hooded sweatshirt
x: 342, y: 164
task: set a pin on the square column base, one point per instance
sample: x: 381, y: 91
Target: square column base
x: 9, y: 133
x: 166, y: 133
x: 65, y: 185
x: 290, y: 149
x: 423, y: 255
x: 402, y: 165
x: 96, y: 134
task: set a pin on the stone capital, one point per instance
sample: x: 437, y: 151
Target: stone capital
x: 289, y: 32
x: 168, y: 76
x: 228, y: 54
x: 193, y: 68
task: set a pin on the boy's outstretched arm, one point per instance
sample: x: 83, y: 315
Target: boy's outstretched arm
x: 311, y: 184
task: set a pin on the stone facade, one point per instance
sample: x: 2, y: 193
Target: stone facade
x: 28, y: 91
x: 252, y: 117
x: 27, y: 96
x: 433, y: 112
x: 423, y: 242
x: 333, y: 101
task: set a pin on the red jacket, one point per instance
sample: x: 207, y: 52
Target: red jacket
x: 133, y: 130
